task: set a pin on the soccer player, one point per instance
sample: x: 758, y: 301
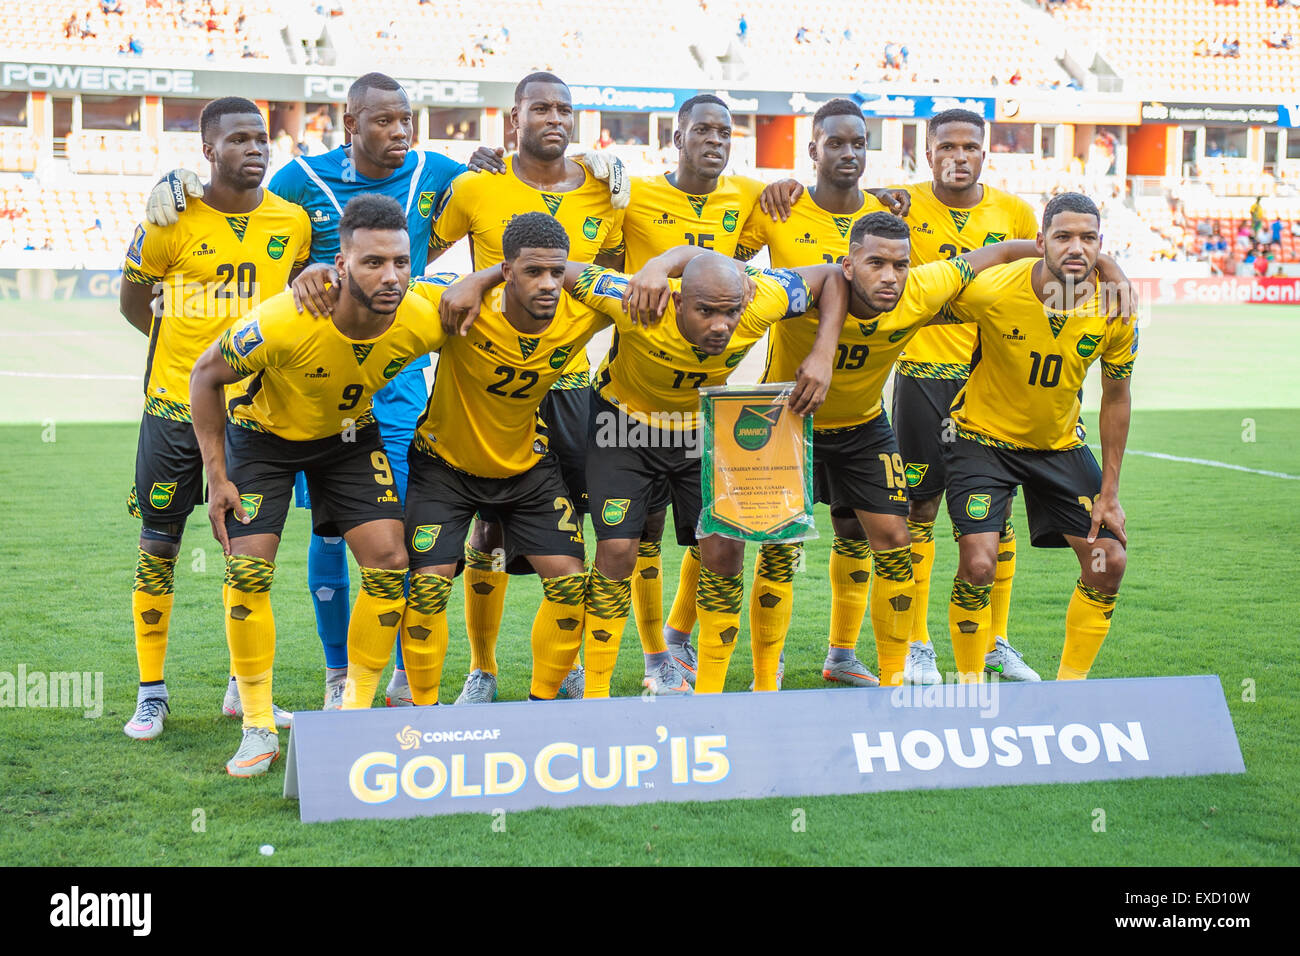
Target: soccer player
x: 378, y: 159
x: 1040, y: 328
x: 538, y: 178
x: 818, y: 231
x: 239, y: 245
x: 649, y: 385
x: 949, y: 216
x: 481, y: 446
x: 305, y: 407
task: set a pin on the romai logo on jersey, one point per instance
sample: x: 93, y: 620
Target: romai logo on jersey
x: 319, y: 373
x: 1015, y: 335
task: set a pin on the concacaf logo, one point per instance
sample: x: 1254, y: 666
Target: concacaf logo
x: 425, y: 537
x: 1087, y: 345
x: 160, y: 495
x: 252, y: 504
x: 408, y: 737
x: 426, y: 204
x: 615, y: 510
x: 276, y: 245
x: 754, y: 425
x: 591, y: 227
x: 977, y: 506
x: 730, y: 219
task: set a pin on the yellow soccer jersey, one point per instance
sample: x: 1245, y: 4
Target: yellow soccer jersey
x: 214, y: 269
x: 480, y: 205
x: 1030, y: 362
x: 940, y: 232
x: 661, y: 216
x: 308, y: 380
x: 810, y: 237
x: 654, y: 375
x: 867, y: 348
x: 482, y: 415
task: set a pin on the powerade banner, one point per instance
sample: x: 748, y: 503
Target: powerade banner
x: 756, y: 473
x: 482, y: 758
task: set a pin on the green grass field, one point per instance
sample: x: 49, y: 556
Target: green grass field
x: 1210, y: 589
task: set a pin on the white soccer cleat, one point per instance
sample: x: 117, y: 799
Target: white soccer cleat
x: 398, y: 692
x: 852, y: 672
x: 257, y: 751
x: 575, y: 684
x: 480, y: 688
x: 921, y: 666
x: 334, y: 688
x: 1007, y: 663
x: 687, y: 661
x: 147, y: 722
x: 232, y: 706
x: 667, y: 680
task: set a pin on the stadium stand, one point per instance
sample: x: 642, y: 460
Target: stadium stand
x: 1180, y: 47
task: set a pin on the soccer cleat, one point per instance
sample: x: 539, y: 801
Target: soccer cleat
x: 1007, y: 662
x: 922, y: 665
x: 852, y: 672
x: 573, y: 686
x: 147, y: 722
x: 232, y: 706
x: 334, y: 693
x: 667, y: 680
x: 686, y: 659
x: 780, y: 673
x: 480, y: 688
x: 256, y: 753
x: 398, y: 692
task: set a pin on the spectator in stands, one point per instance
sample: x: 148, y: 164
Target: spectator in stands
x: 1201, y: 47
x: 1232, y: 47
x: 1257, y: 214
x: 1277, y: 229
x: 87, y: 26
x: 134, y: 46
x: 111, y: 6
x: 606, y: 139
x: 742, y: 29
x: 1277, y: 40
x: 1243, y: 237
x: 801, y: 35
x: 70, y: 26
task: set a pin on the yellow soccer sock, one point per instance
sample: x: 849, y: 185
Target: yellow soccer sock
x: 250, y: 634
x: 424, y: 635
x: 681, y: 617
x: 770, y: 602
x: 372, y: 631
x: 922, y: 533
x: 718, y: 608
x: 608, y: 605
x: 557, y: 633
x: 850, y: 583
x: 969, y: 621
x: 893, y: 606
x: 648, y: 597
x: 151, y: 610
x: 485, y: 602
x: 1002, y: 576
x: 1086, y: 624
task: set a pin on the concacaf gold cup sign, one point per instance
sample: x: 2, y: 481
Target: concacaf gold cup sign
x: 757, y: 465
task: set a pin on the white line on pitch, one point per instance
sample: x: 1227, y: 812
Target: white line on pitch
x: 96, y: 378
x: 50, y: 335
x: 1206, y: 461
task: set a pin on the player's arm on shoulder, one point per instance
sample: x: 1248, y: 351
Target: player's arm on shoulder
x: 895, y: 199
x: 302, y: 235
x: 212, y: 373
x: 997, y: 254
x: 1117, y: 293
x: 168, y: 199
x: 458, y: 298
x: 648, y: 291
x: 1113, y: 422
x: 777, y: 199
x: 827, y: 287
x: 601, y: 289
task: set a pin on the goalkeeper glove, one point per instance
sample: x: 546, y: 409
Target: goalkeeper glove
x: 167, y: 200
x: 606, y: 166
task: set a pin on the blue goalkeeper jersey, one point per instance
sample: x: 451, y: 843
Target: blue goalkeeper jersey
x: 323, y: 184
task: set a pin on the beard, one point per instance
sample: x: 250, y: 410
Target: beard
x: 368, y: 302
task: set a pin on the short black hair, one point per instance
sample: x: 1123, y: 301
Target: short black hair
x: 225, y: 106
x: 371, y: 81
x: 371, y: 211
x: 684, y: 113
x: 883, y: 224
x: 533, y: 230
x: 954, y: 116
x: 541, y: 76
x: 836, y: 107
x: 1069, y: 202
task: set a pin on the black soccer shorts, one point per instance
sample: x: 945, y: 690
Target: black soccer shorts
x: 536, y: 514
x: 859, y: 469
x: 168, y: 471
x: 920, y: 411
x: 1060, y: 487
x: 349, y: 482
x: 628, y: 468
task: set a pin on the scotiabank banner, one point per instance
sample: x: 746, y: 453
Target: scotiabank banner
x: 485, y: 758
x: 1274, y: 290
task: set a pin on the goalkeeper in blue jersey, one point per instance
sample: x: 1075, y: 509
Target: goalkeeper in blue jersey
x: 379, y: 159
